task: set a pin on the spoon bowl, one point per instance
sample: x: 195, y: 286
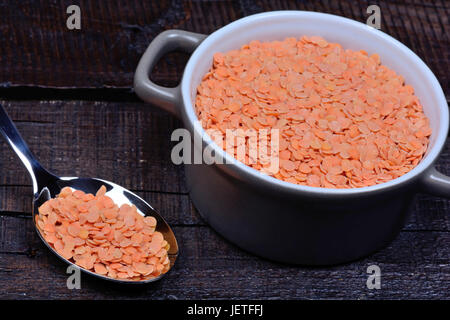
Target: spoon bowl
x: 47, y: 186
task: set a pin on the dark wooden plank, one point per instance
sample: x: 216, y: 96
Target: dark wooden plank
x: 415, y: 265
x: 127, y: 143
x: 39, y: 50
x: 428, y: 214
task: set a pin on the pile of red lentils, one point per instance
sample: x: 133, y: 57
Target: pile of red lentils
x: 344, y: 119
x: 94, y: 233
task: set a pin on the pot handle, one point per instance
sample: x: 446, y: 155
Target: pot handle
x: 436, y: 183
x: 170, y: 40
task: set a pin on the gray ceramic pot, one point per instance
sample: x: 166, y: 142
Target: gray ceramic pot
x: 273, y: 218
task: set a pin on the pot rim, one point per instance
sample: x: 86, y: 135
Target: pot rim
x: 246, y: 173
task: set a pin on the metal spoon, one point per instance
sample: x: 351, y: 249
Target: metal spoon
x: 46, y: 186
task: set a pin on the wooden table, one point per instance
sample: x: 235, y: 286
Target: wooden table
x: 70, y: 94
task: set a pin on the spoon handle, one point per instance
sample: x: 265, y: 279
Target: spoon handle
x: 38, y: 174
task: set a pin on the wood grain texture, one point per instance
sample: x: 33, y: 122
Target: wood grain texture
x: 128, y: 143
x: 415, y: 265
x: 38, y: 50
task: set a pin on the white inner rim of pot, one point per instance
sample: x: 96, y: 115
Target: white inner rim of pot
x: 350, y: 34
